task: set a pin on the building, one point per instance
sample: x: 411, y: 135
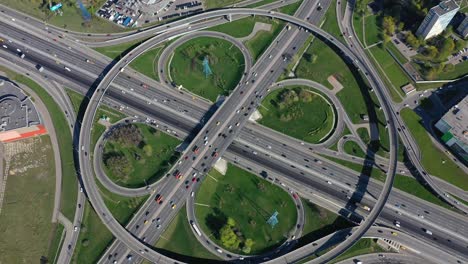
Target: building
x: 454, y: 125
x: 437, y: 19
x: 408, y: 88
x: 463, y: 27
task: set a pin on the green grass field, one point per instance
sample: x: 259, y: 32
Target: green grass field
x: 210, y: 4
x: 363, y: 134
x: 373, y: 30
x: 71, y: 18
x: 431, y: 157
x: 238, y: 28
x: 148, y: 167
x: 93, y: 239
x: 374, y: 172
x: 353, y: 148
x: 69, y: 181
x: 225, y: 60
x: 263, y: 39
x: 26, y: 216
x: 460, y: 70
x: 393, y: 71
x: 147, y: 63
x: 118, y: 51
x: 331, y: 23
x: 363, y: 246
x: 250, y: 201
x: 319, y: 222
x: 178, y: 241
x: 308, y: 121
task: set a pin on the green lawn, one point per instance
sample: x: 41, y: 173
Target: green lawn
x: 392, y: 49
x: 391, y: 70
x: 146, y: 167
x: 335, y: 145
x: 319, y: 222
x: 250, y: 201
x: 357, y: 22
x: 263, y: 39
x: 354, y: 149
x: 147, y: 63
x: 93, y: 239
x: 290, y: 9
x: 56, y: 243
x: 363, y: 246
x: 431, y: 157
x: 363, y: 134
x: 118, y: 51
x: 331, y: 23
x: 260, y: 3
x: 308, y: 121
x: 28, y: 202
x: 71, y: 18
x: 69, y: 181
x: 210, y: 4
x: 179, y: 242
x: 225, y: 60
x: 373, y: 30
x: 237, y: 28
x: 460, y: 70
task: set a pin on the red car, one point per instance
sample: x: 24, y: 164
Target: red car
x: 215, y: 154
x: 295, y: 196
x: 159, y: 199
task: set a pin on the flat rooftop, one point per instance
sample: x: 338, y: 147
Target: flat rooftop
x: 457, y: 118
x: 16, y: 108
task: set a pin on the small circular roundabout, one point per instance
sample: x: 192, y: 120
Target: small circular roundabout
x: 147, y: 252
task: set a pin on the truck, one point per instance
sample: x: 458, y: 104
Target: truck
x: 39, y: 68
x: 195, y: 228
x: 195, y: 149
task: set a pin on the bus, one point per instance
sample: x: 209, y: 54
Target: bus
x: 195, y: 228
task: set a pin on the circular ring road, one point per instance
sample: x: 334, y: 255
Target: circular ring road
x: 85, y: 134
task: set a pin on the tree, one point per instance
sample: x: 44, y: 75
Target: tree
x: 247, y: 246
x: 460, y: 44
x: 388, y: 25
x: 228, y: 238
x: 412, y: 40
x: 400, y: 26
x: 118, y: 164
x: 231, y: 222
x: 447, y: 47
x: 431, y: 51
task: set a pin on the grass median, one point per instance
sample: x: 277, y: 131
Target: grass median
x: 299, y: 112
x: 249, y: 201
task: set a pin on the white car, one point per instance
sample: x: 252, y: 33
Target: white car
x: 397, y: 223
x: 66, y: 68
x: 75, y: 228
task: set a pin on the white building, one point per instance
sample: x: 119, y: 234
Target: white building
x: 437, y: 19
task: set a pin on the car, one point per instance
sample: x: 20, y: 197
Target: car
x: 66, y: 68
x: 146, y: 222
x: 159, y: 199
x: 397, y: 223
x: 192, y: 194
x: 129, y: 257
x: 75, y: 228
x: 173, y: 206
x: 295, y: 196
x: 329, y: 182
x: 158, y: 226
x: 158, y: 219
x: 394, y: 234
x: 421, y: 216
x: 194, y: 179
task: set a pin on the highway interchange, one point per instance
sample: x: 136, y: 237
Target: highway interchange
x: 186, y: 125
